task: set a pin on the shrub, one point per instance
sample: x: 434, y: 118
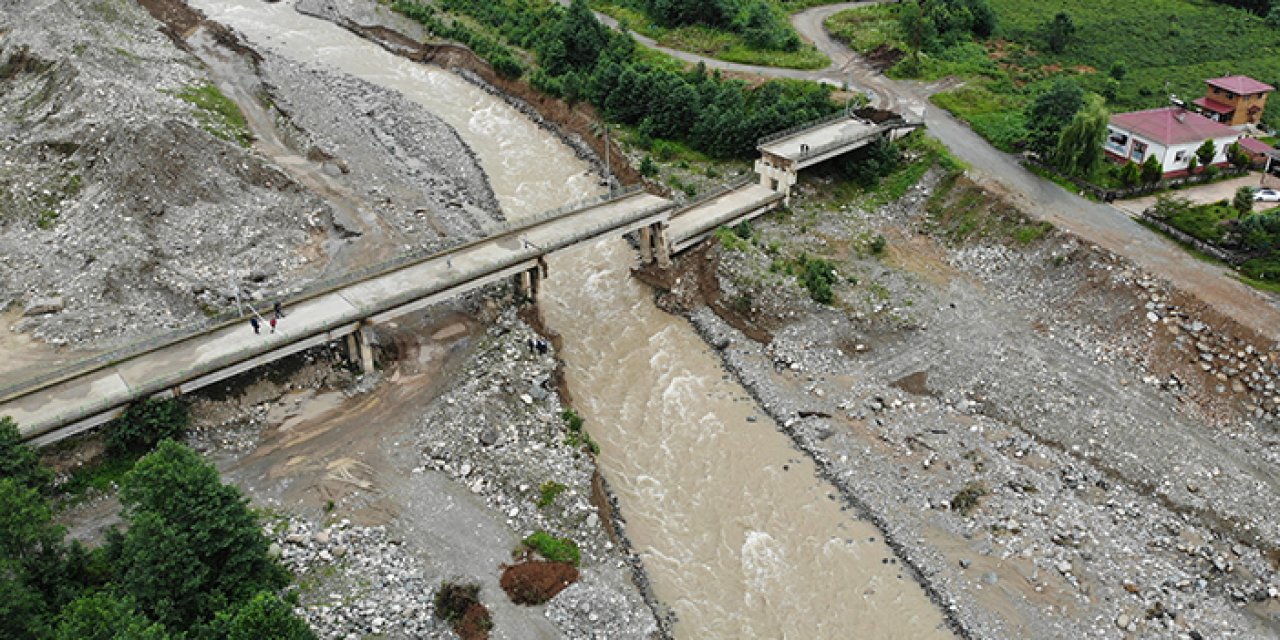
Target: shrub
x: 459, y: 605
x: 553, y: 548
x: 548, y: 491
x: 146, y: 423
x: 967, y: 498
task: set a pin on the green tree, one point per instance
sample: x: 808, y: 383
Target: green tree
x: 262, y: 617
x: 1059, y: 31
x: 1130, y: 174
x: 193, y: 547
x: 1243, y: 200
x: 1193, y: 163
x: 104, y: 616
x: 1152, y: 170
x: 20, y: 462
x: 1049, y: 113
x: 1206, y: 151
x: 1079, y: 147
x: 1273, y: 15
x: 920, y: 30
x: 144, y: 424
x: 1238, y: 156
x: 31, y: 567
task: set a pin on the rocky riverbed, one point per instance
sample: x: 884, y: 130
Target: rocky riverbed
x: 470, y: 454
x: 1058, y: 444
x: 135, y: 203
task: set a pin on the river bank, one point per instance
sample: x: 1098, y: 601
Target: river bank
x: 1005, y: 413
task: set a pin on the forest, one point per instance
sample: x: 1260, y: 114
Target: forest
x: 579, y: 59
x: 193, y: 562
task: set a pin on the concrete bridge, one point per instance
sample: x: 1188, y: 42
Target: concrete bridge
x: 91, y: 392
x: 784, y: 154
x: 94, y: 391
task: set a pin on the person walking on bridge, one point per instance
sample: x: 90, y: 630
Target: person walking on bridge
x: 273, y: 324
x: 276, y: 309
x: 253, y: 322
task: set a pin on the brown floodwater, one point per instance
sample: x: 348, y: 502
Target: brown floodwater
x: 740, y: 537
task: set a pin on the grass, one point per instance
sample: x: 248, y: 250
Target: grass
x: 1183, y: 42
x: 577, y: 437
x: 553, y: 548
x: 217, y: 114
x: 714, y: 43
x: 102, y: 477
x: 960, y: 210
x: 548, y: 492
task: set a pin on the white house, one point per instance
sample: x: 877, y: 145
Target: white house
x: 1171, y: 134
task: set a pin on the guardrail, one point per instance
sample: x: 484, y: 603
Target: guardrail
x: 716, y: 192
x: 300, y: 294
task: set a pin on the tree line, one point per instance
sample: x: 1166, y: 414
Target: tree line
x: 580, y: 59
x: 193, y: 562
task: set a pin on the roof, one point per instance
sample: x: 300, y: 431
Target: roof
x: 1214, y: 105
x: 1240, y: 84
x: 1171, y: 125
x: 1254, y: 145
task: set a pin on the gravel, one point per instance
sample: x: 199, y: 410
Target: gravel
x: 1057, y: 380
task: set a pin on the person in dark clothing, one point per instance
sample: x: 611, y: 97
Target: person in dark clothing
x: 276, y: 309
x: 542, y: 346
x: 253, y: 322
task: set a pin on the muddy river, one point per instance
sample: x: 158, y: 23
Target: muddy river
x: 739, y: 536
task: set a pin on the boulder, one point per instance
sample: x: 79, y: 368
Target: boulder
x: 42, y: 306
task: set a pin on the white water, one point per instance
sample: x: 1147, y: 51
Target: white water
x: 739, y: 536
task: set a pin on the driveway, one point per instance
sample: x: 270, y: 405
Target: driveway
x: 1100, y: 224
x: 1216, y: 192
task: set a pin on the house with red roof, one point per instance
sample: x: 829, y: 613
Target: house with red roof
x: 1171, y: 134
x: 1234, y: 100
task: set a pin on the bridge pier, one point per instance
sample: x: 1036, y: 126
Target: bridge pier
x: 360, y: 348
x: 778, y: 174
x: 529, y: 281
x: 655, y: 244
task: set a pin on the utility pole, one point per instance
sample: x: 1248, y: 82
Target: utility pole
x: 608, y: 169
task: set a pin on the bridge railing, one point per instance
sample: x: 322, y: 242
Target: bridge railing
x: 299, y: 294
x: 839, y: 115
x: 716, y: 192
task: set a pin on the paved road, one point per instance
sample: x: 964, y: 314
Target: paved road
x: 1098, y: 223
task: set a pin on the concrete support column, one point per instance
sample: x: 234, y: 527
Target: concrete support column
x: 524, y: 285
x: 646, y: 245
x: 535, y: 283
x: 360, y: 348
x: 661, y: 247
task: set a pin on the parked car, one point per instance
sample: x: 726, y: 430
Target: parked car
x: 1266, y: 195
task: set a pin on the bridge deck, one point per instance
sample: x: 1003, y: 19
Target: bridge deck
x: 203, y: 358
x: 824, y: 137
x: 692, y: 224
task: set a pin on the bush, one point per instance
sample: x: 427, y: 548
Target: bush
x: 967, y: 498
x: 548, y: 491
x: 553, y: 548
x: 146, y: 423
x: 817, y: 275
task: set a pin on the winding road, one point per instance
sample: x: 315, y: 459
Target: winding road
x: 1100, y: 224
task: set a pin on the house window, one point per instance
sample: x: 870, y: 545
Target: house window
x: 1180, y: 156
x: 1139, y: 151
